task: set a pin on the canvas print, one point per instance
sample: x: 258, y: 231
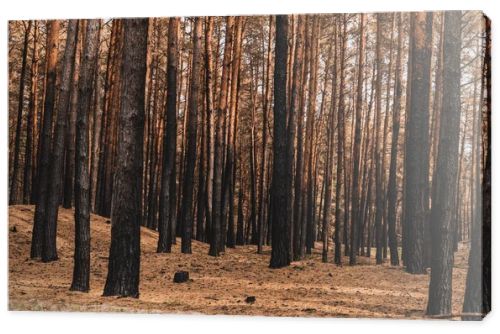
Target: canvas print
x: 303, y: 165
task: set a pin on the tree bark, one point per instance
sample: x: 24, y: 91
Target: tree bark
x: 355, y: 220
x: 280, y: 224
x: 440, y: 287
x: 14, y: 188
x: 263, y: 189
x: 42, y: 178
x: 186, y: 214
x: 416, y: 171
x: 392, y: 191
x: 124, y: 254
x: 69, y: 169
x: 220, y: 113
x: 340, y: 147
x: 81, y: 269
x: 296, y: 107
x: 166, y: 225
x: 49, y: 249
x: 29, y: 153
x: 478, y: 285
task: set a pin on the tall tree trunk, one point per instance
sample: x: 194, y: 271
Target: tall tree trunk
x: 210, y: 125
x: 124, y: 254
x: 228, y: 181
x: 392, y: 191
x: 384, y: 140
x: 166, y: 225
x: 379, y: 206
x: 263, y: 190
x: 416, y: 171
x: 330, y: 147
x: 186, y: 214
x: 280, y: 223
x: 96, y: 139
x: 355, y: 220
x: 309, y: 153
x: 14, y: 188
x: 340, y: 147
x: 69, y: 169
x: 478, y: 285
x: 29, y: 153
x: 296, y: 106
x: 42, y: 178
x: 220, y: 114
x: 81, y: 269
x: 440, y: 287
x: 49, y: 249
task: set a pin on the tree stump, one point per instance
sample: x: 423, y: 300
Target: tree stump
x: 181, y: 277
x: 250, y: 300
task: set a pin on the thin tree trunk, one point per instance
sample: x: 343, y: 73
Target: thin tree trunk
x: 14, y: 188
x: 54, y: 186
x: 186, y: 218
x: 330, y: 148
x: 265, y: 113
x: 69, y: 170
x: 29, y: 153
x: 42, y: 178
x: 220, y: 114
x: 86, y: 84
x: 296, y: 106
x: 379, y: 204
x: 209, y: 101
x: 166, y: 225
x: 392, y: 191
x: 356, y: 149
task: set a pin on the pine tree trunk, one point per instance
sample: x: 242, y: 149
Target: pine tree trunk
x: 310, y: 125
x: 124, y: 254
x: 42, y: 179
x: 356, y: 214
x: 280, y: 223
x: 392, y: 191
x: 166, y: 223
x: 263, y: 189
x: 379, y: 204
x: 330, y: 148
x: 210, y: 126
x: 14, y: 188
x: 442, y: 215
x: 186, y: 213
x: 69, y: 169
x: 220, y: 114
x: 81, y: 269
x: 416, y: 171
x: 340, y: 147
x: 49, y: 249
x: 29, y: 153
x: 477, y: 297
x: 296, y: 107
x: 232, y: 119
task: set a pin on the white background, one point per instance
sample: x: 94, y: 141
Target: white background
x: 21, y: 322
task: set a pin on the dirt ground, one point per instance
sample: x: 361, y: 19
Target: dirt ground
x: 307, y: 288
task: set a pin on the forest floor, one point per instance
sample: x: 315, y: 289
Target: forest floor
x: 307, y: 288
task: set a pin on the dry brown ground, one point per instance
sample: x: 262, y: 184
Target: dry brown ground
x: 218, y: 285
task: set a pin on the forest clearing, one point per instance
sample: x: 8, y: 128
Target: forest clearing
x: 308, y: 288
